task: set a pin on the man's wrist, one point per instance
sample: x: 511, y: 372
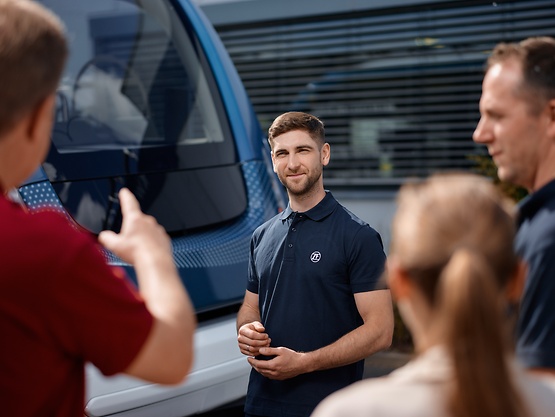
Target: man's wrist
x: 309, y: 361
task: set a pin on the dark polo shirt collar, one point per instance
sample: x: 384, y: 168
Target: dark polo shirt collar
x: 319, y: 212
x: 529, y: 206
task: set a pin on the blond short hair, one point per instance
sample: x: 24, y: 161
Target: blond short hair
x: 33, y: 51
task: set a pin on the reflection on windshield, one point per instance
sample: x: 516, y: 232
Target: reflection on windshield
x: 138, y: 107
x: 132, y: 84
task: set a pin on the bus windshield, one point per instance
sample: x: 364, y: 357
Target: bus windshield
x: 138, y: 106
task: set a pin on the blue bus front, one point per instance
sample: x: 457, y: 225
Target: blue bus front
x: 151, y: 101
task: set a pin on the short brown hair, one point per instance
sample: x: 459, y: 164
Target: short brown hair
x: 295, y: 120
x: 536, y: 57
x: 33, y: 52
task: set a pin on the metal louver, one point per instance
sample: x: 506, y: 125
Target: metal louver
x: 397, y: 88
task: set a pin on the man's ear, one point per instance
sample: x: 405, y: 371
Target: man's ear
x: 398, y: 279
x: 551, y: 108
x: 325, y: 152
x: 273, y: 161
x: 515, y: 286
x: 40, y: 119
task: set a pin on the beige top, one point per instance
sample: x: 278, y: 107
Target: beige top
x: 419, y: 389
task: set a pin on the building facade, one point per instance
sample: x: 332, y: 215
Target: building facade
x: 396, y: 82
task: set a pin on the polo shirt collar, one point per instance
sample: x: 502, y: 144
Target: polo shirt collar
x: 323, y: 209
x: 528, y: 207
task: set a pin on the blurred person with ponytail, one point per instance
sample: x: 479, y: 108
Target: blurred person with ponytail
x: 454, y: 274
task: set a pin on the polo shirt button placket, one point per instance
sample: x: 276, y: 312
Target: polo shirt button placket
x: 293, y: 229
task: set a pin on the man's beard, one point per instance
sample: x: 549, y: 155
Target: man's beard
x: 301, y: 188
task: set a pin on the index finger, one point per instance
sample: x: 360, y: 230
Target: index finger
x: 128, y: 202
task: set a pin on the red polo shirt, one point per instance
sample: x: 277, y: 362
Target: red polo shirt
x: 61, y: 305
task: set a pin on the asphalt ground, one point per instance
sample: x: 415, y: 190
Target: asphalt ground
x: 382, y: 363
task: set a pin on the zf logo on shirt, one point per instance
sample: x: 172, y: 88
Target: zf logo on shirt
x: 315, y: 256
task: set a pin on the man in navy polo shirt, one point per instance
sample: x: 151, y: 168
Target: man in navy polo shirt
x: 315, y: 306
x: 518, y: 126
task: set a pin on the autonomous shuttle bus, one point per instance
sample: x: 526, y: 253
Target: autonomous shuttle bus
x: 151, y: 101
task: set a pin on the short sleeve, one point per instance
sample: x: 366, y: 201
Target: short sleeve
x: 252, y: 278
x: 366, y: 259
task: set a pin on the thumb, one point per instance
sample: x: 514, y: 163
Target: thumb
x: 268, y: 351
x: 107, y: 238
x: 258, y: 326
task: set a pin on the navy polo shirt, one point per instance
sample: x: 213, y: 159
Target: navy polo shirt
x: 535, y: 243
x: 305, y: 268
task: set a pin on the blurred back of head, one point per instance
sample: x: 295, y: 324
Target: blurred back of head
x: 33, y: 51
x: 445, y: 213
x: 453, y: 236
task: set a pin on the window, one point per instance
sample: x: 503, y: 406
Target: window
x: 138, y: 107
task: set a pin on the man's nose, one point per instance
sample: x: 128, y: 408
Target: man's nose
x: 482, y: 133
x: 292, y: 161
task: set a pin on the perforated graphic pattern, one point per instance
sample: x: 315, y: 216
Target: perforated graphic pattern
x: 41, y: 196
x: 224, y: 246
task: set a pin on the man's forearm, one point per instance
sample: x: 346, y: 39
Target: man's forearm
x: 374, y: 335
x: 247, y: 314
x: 352, y: 347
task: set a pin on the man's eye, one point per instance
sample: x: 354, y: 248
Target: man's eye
x: 494, y: 116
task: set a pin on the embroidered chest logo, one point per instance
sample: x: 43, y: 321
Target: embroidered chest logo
x: 315, y: 256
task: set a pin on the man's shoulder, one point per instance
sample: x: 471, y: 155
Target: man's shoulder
x: 356, y: 233
x: 57, y: 225
x: 538, y: 205
x: 272, y: 220
x: 268, y: 224
x: 353, y: 222
x: 45, y: 245
x: 537, y: 232
x: 351, y: 217
x: 49, y: 229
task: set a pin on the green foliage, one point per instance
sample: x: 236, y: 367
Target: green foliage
x: 402, y: 339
